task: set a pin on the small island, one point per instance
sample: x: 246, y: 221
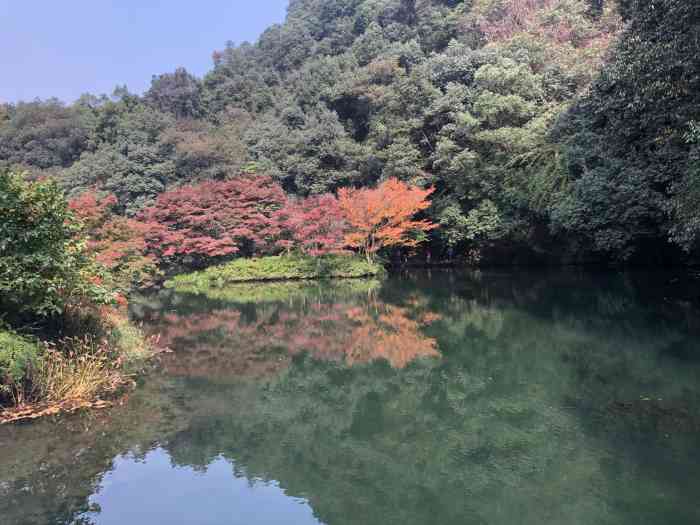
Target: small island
x: 278, y: 268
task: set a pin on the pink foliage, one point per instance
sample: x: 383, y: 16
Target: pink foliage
x: 91, y: 209
x: 316, y: 225
x: 531, y: 16
x: 117, y: 242
x: 215, y: 218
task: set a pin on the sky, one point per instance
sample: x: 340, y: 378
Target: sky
x: 64, y: 48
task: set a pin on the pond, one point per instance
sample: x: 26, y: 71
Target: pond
x: 438, y: 397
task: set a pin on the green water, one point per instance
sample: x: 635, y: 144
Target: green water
x: 431, y: 398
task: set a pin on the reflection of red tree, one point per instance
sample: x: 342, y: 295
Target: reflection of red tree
x: 222, y: 343
x: 393, y: 336
x: 218, y: 343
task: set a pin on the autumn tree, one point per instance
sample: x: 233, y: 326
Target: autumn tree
x: 384, y: 216
x: 118, y: 243
x: 214, y: 219
x: 315, y: 225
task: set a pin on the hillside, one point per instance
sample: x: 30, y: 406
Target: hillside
x: 551, y: 130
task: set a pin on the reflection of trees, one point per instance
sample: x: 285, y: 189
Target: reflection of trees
x: 618, y: 342
x: 391, y: 335
x: 518, y: 416
x: 373, y: 444
x: 49, y: 469
x: 226, y: 342
x: 544, y: 406
x: 290, y: 292
x: 218, y: 343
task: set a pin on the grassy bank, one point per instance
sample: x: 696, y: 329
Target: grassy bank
x: 281, y: 291
x: 279, y: 268
x: 39, y: 378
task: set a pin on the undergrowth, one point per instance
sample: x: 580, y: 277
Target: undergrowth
x: 99, y: 359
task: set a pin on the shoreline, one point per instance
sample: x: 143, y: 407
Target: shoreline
x: 86, y: 374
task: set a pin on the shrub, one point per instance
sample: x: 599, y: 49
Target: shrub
x: 48, y: 279
x: 118, y: 243
x: 18, y: 357
x: 44, y: 264
x: 77, y: 369
x: 83, y: 368
x: 74, y: 370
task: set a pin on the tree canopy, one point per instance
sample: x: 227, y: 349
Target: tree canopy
x: 549, y: 129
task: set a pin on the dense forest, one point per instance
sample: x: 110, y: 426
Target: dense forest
x: 547, y: 130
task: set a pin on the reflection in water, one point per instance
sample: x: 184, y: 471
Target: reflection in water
x: 436, y: 398
x: 160, y: 490
x: 227, y: 342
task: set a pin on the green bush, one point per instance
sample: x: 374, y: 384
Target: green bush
x: 44, y: 264
x: 17, y: 358
x: 279, y: 268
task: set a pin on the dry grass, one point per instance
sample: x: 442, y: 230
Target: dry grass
x: 78, y: 372
x: 78, y: 369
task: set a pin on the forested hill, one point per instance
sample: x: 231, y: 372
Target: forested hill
x: 551, y: 129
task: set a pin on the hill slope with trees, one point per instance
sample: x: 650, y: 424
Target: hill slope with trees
x: 549, y: 130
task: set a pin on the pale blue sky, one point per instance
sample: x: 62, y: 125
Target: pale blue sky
x: 64, y: 48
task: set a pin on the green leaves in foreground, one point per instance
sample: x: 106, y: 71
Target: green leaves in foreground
x: 43, y: 260
x: 17, y: 356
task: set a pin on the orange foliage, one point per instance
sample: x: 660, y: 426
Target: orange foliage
x: 222, y: 343
x: 384, y: 216
x: 393, y: 336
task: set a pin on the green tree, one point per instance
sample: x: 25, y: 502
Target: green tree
x: 44, y: 266
x: 178, y: 93
x: 626, y: 140
x: 43, y: 134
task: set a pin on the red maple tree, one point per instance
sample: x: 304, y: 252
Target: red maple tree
x: 117, y: 242
x: 315, y: 225
x: 384, y: 216
x: 93, y: 210
x: 215, y: 219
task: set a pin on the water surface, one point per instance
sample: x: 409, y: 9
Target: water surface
x: 443, y: 397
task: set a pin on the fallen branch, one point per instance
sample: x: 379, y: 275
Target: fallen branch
x: 26, y: 413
